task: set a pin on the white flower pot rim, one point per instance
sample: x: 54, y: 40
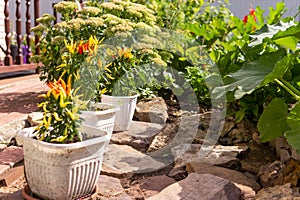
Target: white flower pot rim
x: 110, y: 108
x: 87, y: 142
x: 131, y: 96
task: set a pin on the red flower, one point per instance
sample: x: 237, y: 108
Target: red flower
x: 252, y: 13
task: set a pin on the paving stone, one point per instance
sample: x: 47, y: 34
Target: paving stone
x: 11, y: 176
x: 2, y: 147
x: 123, y: 160
x: 224, y: 156
x: 4, y: 168
x: 153, y: 185
x: 139, y: 136
x: 11, y: 128
x: 11, y: 155
x: 16, y: 196
x: 18, y: 99
x: 182, y: 131
x: 35, y: 118
x: 110, y: 188
x: 200, y: 186
x: 232, y: 175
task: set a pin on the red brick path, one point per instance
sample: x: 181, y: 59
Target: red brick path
x: 18, y: 97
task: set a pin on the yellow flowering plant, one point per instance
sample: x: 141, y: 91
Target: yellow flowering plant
x: 60, y: 119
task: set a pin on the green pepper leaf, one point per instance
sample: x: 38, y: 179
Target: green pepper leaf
x: 273, y: 121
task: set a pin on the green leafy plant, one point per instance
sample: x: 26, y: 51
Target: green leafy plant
x: 270, y: 68
x: 60, y: 122
x: 103, y: 20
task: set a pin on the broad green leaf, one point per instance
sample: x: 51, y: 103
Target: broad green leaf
x: 293, y: 121
x: 288, y: 42
x: 269, y: 31
x: 259, y: 15
x: 279, y: 70
x: 293, y: 138
x: 245, y: 80
x: 273, y: 121
x: 293, y: 118
x: 276, y: 14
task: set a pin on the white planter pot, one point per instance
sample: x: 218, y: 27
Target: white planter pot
x: 127, y: 106
x: 104, y: 118
x: 64, y: 171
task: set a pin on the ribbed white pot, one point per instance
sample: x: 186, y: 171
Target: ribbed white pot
x: 103, y: 118
x: 64, y: 171
x: 127, y: 106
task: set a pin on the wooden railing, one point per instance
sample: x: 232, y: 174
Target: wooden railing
x: 15, y: 61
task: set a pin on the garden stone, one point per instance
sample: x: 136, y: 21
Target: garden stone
x: 284, y: 150
x: 246, y: 192
x: 228, y: 126
x: 11, y: 156
x: 258, y: 155
x: 35, y: 118
x: 2, y: 147
x: 243, y: 132
x: 111, y: 188
x: 154, y: 111
x: 232, y: 175
x: 224, y: 156
x: 139, y: 136
x: 183, y: 130
x: 196, y: 186
x: 278, y: 192
x: 279, y: 173
x: 9, y: 131
x: 153, y: 185
x: 124, y: 161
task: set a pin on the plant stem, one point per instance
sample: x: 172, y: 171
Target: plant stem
x: 290, y: 86
x: 288, y: 89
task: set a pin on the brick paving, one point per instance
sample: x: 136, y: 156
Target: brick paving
x: 18, y: 98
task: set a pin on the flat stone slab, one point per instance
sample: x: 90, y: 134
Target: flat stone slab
x: 139, y: 136
x: 122, y: 160
x: 10, y: 130
x: 232, y: 175
x: 219, y: 155
x: 153, y: 185
x: 11, y: 155
x: 200, y: 186
x: 110, y: 188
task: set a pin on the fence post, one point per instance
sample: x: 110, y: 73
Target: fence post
x: 36, y: 15
x: 19, y: 57
x: 28, y: 36
x: 8, y: 59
